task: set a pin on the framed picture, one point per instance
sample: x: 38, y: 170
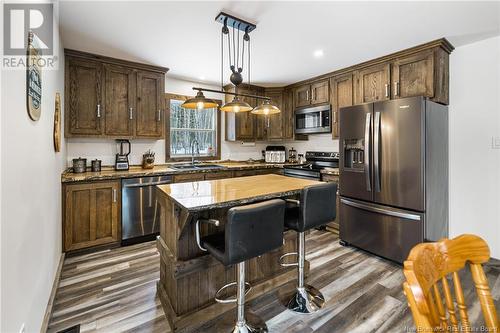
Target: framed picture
x: 33, y: 80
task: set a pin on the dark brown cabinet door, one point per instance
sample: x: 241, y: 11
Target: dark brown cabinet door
x: 84, y: 101
x: 413, y: 75
x: 373, y: 84
x: 302, y: 96
x: 150, y: 117
x: 91, y: 214
x: 287, y: 116
x: 320, y: 92
x: 342, y: 95
x: 120, y: 107
x: 275, y: 122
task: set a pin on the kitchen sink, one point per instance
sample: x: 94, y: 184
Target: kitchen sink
x: 196, y: 166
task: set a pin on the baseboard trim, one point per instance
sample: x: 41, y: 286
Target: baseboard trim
x: 50, y: 303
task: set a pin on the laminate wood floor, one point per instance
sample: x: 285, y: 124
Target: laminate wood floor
x: 115, y: 291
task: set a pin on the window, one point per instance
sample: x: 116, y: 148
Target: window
x: 187, y: 125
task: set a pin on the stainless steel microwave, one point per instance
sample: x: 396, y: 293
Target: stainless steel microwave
x: 313, y: 120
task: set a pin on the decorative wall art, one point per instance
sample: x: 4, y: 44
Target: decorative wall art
x: 33, y: 80
x: 57, y: 124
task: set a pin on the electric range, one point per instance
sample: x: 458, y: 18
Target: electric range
x: 316, y: 161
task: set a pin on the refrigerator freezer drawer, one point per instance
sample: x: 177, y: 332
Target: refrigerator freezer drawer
x: 385, y: 231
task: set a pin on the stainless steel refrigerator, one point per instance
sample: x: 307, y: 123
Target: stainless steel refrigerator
x: 393, y: 175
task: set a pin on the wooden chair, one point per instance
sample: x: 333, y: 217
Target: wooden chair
x: 431, y: 263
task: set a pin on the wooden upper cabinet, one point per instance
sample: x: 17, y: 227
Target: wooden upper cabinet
x: 110, y: 98
x: 91, y: 214
x: 342, y: 95
x: 312, y: 94
x: 320, y: 92
x: 302, y: 96
x: 413, y: 75
x: 372, y: 84
x: 275, y: 122
x: 120, y: 101
x: 84, y: 98
x: 150, y: 113
x: 288, y: 115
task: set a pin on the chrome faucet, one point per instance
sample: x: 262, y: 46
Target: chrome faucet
x: 194, y: 144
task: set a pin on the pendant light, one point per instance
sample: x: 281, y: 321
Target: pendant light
x: 199, y: 102
x: 231, y: 28
x: 266, y: 108
x: 236, y: 106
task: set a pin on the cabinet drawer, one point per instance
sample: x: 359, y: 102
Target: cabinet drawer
x: 218, y: 175
x: 189, y: 177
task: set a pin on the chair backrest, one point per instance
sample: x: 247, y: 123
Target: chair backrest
x: 253, y: 230
x: 317, y: 205
x: 429, y: 265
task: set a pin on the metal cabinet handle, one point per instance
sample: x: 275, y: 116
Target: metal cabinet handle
x: 159, y: 115
x: 386, y: 90
x: 334, y: 117
x: 380, y: 210
x: 376, y: 151
x: 114, y: 195
x: 396, y: 88
x: 307, y: 95
x: 131, y: 113
x: 98, y: 110
x: 368, y: 124
x: 313, y: 93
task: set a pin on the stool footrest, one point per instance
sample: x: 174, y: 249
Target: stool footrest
x: 230, y: 300
x: 283, y: 264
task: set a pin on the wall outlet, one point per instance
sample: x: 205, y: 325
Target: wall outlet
x: 495, y: 142
x: 21, y: 330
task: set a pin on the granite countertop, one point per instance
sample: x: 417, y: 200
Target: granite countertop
x: 108, y: 172
x: 229, y: 192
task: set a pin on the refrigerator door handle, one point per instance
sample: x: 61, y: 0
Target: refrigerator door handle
x: 376, y: 151
x: 367, y: 151
x: 379, y: 210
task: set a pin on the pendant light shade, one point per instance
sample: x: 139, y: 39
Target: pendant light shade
x: 266, y: 108
x: 199, y: 102
x: 236, y: 106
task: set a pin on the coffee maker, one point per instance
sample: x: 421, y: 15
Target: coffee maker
x: 121, y: 160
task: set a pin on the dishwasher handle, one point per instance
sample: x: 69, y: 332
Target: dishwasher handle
x: 148, y: 184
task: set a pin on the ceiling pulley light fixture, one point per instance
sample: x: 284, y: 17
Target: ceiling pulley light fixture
x: 236, y: 65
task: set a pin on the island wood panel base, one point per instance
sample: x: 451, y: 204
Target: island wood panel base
x: 193, y: 320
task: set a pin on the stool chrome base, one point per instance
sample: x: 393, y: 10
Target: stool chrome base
x: 248, y: 328
x: 306, y: 300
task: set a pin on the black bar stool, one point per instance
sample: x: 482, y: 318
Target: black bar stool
x: 315, y: 208
x: 250, y: 231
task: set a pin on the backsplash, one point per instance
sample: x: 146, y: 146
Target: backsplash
x: 105, y: 150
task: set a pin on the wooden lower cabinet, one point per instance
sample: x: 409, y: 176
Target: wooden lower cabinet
x: 189, y: 177
x: 91, y: 214
x: 334, y: 225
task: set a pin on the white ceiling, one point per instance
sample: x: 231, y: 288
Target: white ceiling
x: 184, y: 36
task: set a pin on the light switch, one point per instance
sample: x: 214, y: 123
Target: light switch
x: 495, y: 142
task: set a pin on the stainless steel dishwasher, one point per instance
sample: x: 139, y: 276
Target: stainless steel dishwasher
x: 140, y: 211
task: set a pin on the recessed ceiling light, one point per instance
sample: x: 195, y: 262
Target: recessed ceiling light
x: 202, y: 78
x: 318, y: 53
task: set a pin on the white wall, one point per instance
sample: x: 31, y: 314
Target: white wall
x: 106, y: 150
x: 31, y: 200
x: 474, y: 119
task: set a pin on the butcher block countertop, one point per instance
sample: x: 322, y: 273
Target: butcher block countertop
x: 209, y: 194
x: 109, y: 172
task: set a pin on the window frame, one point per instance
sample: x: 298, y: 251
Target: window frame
x: 168, y: 158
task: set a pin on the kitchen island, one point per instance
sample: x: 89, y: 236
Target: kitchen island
x: 189, y: 277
